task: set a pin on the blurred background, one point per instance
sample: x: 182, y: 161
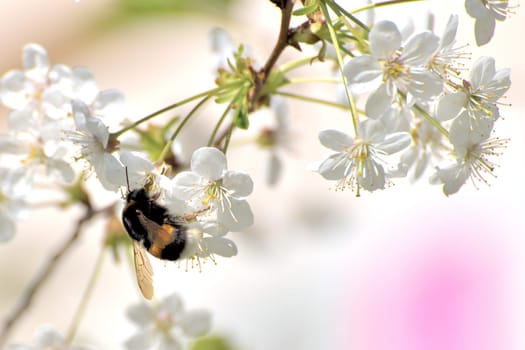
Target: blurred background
x: 404, y: 268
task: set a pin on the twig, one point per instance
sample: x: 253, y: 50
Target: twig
x: 282, y: 41
x: 262, y: 75
x: 29, y: 293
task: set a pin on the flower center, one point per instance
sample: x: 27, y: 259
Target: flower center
x: 499, y: 7
x: 393, y: 68
x: 164, y: 322
x: 214, y: 193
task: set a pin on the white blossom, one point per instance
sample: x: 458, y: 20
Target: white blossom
x: 486, y: 12
x: 428, y: 146
x: 395, y: 68
x: 472, y: 151
x: 478, y: 97
x: 360, y: 162
x: 209, y: 185
x: 15, y: 184
x: 445, y: 61
x: 166, y: 325
x: 94, y: 140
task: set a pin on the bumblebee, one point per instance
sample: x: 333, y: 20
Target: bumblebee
x: 151, y: 228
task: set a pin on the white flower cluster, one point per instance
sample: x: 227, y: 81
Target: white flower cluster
x: 59, y: 118
x: 39, y: 98
x: 417, y: 102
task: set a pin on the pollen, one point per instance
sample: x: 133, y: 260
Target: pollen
x: 394, y: 68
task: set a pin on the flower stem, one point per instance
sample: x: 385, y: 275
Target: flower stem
x: 26, y: 298
x: 339, y: 9
x: 208, y: 93
x: 313, y: 100
x: 288, y: 66
x: 431, y: 120
x: 218, y: 125
x: 181, y: 125
x: 85, y: 297
x: 335, y: 42
x: 381, y: 4
x: 312, y: 80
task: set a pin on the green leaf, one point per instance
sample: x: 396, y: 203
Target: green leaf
x: 240, y: 117
x: 211, y: 343
x: 275, y: 80
x: 153, y: 138
x: 309, y: 7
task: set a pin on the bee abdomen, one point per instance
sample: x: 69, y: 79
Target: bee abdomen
x: 173, y: 250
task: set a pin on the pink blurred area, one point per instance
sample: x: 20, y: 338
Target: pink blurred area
x: 449, y: 280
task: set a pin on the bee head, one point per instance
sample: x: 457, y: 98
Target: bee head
x: 138, y: 195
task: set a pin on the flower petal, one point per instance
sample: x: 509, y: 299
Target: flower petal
x: 36, y: 62
x: 476, y: 8
x: 209, y: 162
x: 98, y: 130
x: 137, y: 167
x: 395, y: 142
x: 144, y: 339
x: 420, y: 48
x: 196, y: 323
x: 170, y: 343
x: 482, y: 72
x: 384, y: 39
x: 449, y: 35
x: 453, y: 178
x: 47, y: 336
x: 273, y: 169
x: 55, y: 104
x: 172, y: 304
x: 221, y: 246
x: 239, y: 183
x: 110, y: 171
x: 141, y: 314
x: 15, y: 89
x: 23, y: 119
x: 333, y: 168
x: 61, y: 169
x: 484, y: 29
x: 371, y: 130
x: 80, y: 114
x: 450, y: 105
x: 7, y: 227
x: 372, y: 177
x: 378, y: 103
x: 362, y: 69
x: 335, y: 140
x: 108, y: 103
x: 237, y: 216
x: 84, y: 84
x: 424, y: 85
x: 185, y: 185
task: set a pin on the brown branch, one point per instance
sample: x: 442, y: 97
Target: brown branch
x: 260, y: 77
x: 282, y: 40
x: 25, y: 300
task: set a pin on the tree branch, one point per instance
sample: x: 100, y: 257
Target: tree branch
x: 26, y: 299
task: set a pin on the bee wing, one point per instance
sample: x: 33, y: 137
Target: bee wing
x: 143, y: 270
x: 159, y: 235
